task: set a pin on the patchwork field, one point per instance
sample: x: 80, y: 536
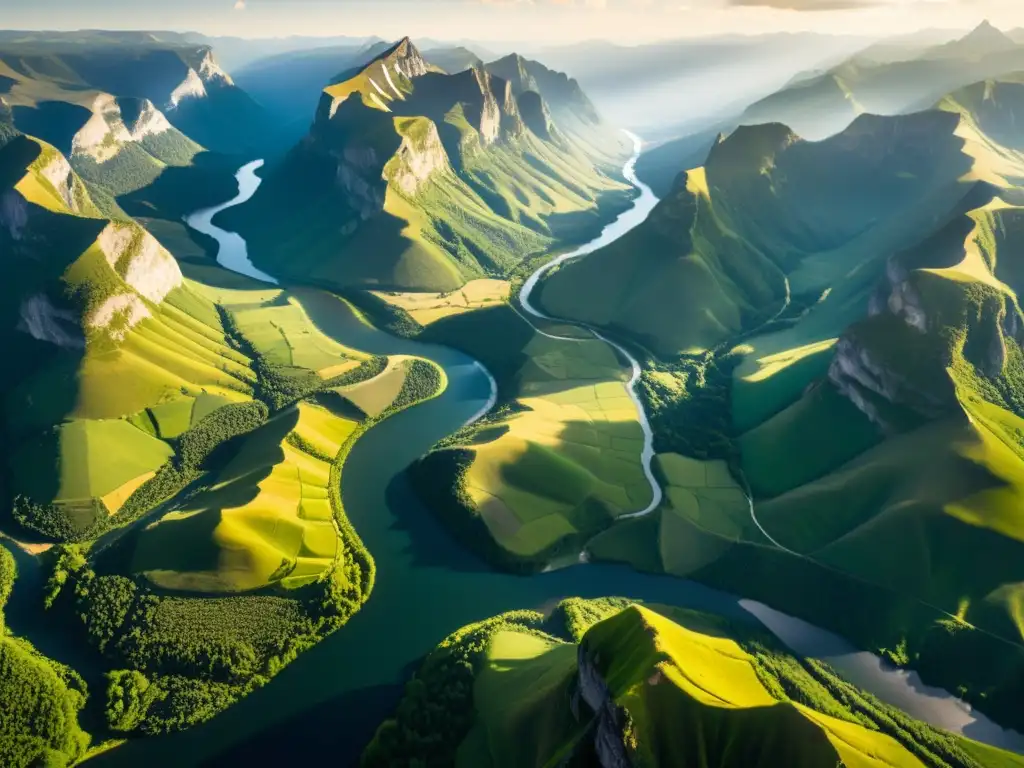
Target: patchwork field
x: 376, y: 395
x: 265, y: 519
x: 427, y: 308
x: 564, y: 462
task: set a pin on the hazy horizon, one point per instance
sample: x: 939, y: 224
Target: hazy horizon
x: 537, y: 21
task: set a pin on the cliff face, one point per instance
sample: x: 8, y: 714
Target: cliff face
x: 610, y: 720
x: 420, y: 156
x: 116, y: 122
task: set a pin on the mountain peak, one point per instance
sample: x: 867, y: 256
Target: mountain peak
x: 987, y: 35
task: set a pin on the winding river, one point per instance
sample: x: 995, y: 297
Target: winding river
x: 324, y: 707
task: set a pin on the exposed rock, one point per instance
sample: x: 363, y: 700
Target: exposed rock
x: 417, y: 159
x: 41, y: 320
x: 58, y: 173
x: 192, y: 87
x: 488, y: 121
x: 210, y: 71
x: 535, y: 114
x: 118, y: 315
x: 139, y: 258
x: 366, y: 198
x: 608, y: 744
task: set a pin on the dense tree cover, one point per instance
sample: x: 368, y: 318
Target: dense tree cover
x: 423, y: 381
x: 436, y: 712
x: 383, y: 315
x: 688, y: 403
x: 39, y: 698
x: 86, y: 521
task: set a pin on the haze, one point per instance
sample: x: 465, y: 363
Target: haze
x: 534, y: 20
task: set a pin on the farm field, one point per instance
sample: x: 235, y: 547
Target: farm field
x: 427, y: 308
x: 265, y: 519
x: 564, y: 461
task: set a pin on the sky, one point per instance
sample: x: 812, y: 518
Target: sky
x: 627, y: 21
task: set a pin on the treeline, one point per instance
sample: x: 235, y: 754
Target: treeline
x: 39, y: 698
x: 423, y: 380
x: 86, y: 521
x: 693, y: 415
x: 383, y: 315
x: 436, y: 712
x: 439, y: 482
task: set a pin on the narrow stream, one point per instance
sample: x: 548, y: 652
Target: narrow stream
x: 325, y: 706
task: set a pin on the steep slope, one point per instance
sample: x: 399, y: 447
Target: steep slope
x: 820, y: 106
x: 185, y: 83
x: 452, y: 60
x: 875, y: 421
x: 411, y: 178
x: 609, y: 683
x: 753, y: 226
x: 103, y: 326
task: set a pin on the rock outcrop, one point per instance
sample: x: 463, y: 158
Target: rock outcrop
x: 610, y: 720
x: 421, y: 156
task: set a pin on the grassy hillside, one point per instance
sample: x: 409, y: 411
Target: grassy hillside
x: 412, y: 179
x: 610, y: 682
x: 559, y: 460
x: 869, y: 407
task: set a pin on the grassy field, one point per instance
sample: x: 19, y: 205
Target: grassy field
x: 265, y: 519
x: 426, y: 308
x: 376, y: 395
x: 566, y: 461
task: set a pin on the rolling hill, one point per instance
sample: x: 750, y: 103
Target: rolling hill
x: 411, y: 178
x: 839, y: 322
x: 821, y: 105
x: 612, y: 683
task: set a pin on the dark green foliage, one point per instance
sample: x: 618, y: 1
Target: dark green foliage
x: 129, y: 170
x: 383, y: 315
x: 438, y: 479
x: 39, y: 698
x: 129, y: 697
x: 423, y: 381
x: 228, y: 422
x: 694, y: 418
x: 436, y: 712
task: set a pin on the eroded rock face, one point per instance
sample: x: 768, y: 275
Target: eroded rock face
x: 192, y: 87
x: 102, y: 137
x: 536, y: 115
x: 118, y: 315
x: 141, y: 261
x: 58, y: 173
x: 608, y: 744
x: 417, y: 160
x: 41, y: 320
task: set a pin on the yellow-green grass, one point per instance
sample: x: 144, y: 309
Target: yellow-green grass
x: 570, y: 462
x: 691, y: 695
x: 768, y: 381
x: 521, y: 697
x: 85, y: 459
x: 426, y: 308
x: 812, y: 437
x: 116, y: 499
x: 284, y: 335
x: 706, y: 493
x: 694, y: 697
x: 266, y: 519
x: 912, y: 513
x: 376, y: 395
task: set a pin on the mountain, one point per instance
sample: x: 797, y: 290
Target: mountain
x: 983, y: 40
x: 414, y: 178
x: 639, y: 86
x: 608, y: 682
x: 822, y: 105
x: 452, y: 60
x: 852, y: 349
x: 185, y: 83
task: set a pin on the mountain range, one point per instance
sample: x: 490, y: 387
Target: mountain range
x: 412, y: 178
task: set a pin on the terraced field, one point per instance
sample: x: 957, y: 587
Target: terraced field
x: 265, y: 519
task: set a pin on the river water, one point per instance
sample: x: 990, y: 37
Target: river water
x: 324, y: 707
